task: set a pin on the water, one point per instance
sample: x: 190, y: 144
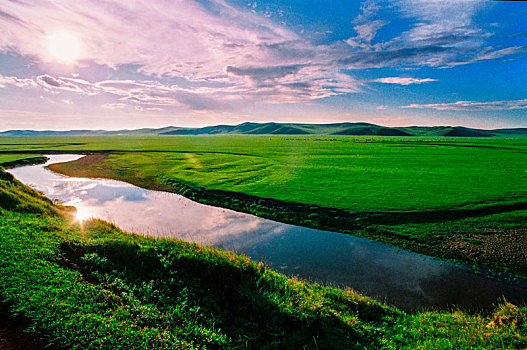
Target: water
x: 407, y: 280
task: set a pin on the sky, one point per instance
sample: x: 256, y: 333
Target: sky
x: 115, y: 64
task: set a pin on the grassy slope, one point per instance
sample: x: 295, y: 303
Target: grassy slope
x: 96, y: 287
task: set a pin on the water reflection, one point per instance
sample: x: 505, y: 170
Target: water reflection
x: 405, y: 279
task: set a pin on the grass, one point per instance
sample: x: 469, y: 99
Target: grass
x: 354, y: 173
x: 13, y: 160
x: 11, y: 157
x: 93, y: 286
x: 423, y: 194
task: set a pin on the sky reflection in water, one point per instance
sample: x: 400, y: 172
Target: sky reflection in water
x: 408, y: 280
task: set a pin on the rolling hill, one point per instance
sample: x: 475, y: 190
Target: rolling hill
x: 356, y: 129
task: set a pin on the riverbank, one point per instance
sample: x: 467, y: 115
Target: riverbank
x: 13, y: 161
x: 481, y: 237
x: 94, y: 286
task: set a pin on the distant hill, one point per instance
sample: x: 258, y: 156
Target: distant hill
x: 294, y: 129
x: 465, y: 132
x: 516, y: 131
x: 453, y: 131
x: 145, y: 131
x: 357, y: 129
x: 373, y: 130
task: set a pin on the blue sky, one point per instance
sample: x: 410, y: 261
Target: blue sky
x: 114, y: 64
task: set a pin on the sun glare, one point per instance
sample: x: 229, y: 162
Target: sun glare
x: 64, y: 46
x: 82, y: 214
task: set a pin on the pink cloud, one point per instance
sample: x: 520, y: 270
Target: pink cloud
x: 113, y: 106
x: 225, y: 57
x: 402, y: 81
x: 214, y: 43
x: 283, y: 88
x: 49, y: 83
x: 180, y: 38
x: 14, y: 81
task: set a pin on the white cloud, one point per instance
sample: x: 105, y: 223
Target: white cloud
x: 366, y: 33
x: 402, y: 81
x: 225, y: 57
x: 474, y: 106
x: 113, y: 106
x: 440, y: 34
x: 199, y: 42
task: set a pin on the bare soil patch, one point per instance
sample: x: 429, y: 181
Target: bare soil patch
x: 498, y: 247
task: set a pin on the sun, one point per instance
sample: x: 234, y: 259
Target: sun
x: 64, y: 46
x: 82, y: 214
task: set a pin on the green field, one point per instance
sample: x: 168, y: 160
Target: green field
x: 96, y: 287
x: 12, y: 157
x: 359, y: 174
x: 463, y: 198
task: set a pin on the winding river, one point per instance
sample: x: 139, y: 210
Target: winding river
x: 407, y: 280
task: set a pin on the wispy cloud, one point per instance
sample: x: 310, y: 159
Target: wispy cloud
x: 14, y: 81
x: 187, y: 38
x: 215, y: 41
x: 366, y: 26
x: 212, y: 55
x: 440, y: 34
x: 199, y: 42
x: 474, y: 106
x: 113, y: 106
x: 402, y: 81
x: 49, y: 83
x: 265, y: 87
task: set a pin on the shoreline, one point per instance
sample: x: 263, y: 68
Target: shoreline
x: 24, y: 161
x: 457, y: 248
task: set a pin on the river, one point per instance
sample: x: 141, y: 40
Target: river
x: 401, y: 278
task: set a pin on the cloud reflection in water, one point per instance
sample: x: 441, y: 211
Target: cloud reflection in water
x: 408, y: 280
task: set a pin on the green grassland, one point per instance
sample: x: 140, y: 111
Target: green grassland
x: 358, y: 174
x: 12, y: 157
x: 463, y: 199
x: 93, y: 286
